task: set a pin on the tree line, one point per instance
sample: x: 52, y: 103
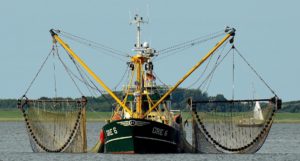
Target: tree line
x: 179, y: 101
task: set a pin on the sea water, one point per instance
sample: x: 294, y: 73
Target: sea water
x: 283, y: 143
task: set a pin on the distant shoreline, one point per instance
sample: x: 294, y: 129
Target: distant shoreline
x: 16, y: 116
x: 104, y: 120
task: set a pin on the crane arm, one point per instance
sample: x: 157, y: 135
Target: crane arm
x: 81, y: 62
x: 230, y: 32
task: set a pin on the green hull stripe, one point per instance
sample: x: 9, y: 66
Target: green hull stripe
x: 120, y: 138
x: 147, y: 138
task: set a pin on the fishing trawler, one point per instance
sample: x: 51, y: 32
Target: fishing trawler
x: 143, y: 120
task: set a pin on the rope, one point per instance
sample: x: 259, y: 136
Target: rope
x: 233, y: 69
x: 92, y: 44
x: 75, y: 76
x: 259, y: 76
x: 206, y: 67
x: 44, y: 62
x: 80, y: 73
x: 84, y: 80
x: 159, y: 79
x: 201, y: 75
x: 174, y: 51
x: 168, y: 55
x: 80, y: 70
x: 190, y: 42
x: 211, y: 77
x: 122, y: 78
x: 54, y: 73
x: 94, y: 87
x: 69, y: 73
x: 217, y: 63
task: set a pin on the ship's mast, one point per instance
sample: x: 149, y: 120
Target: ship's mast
x: 138, y: 21
x: 138, y: 60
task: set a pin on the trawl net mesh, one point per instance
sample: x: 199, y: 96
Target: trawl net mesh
x: 55, y: 125
x: 232, y: 127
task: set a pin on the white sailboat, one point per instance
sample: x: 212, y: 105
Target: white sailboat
x: 257, y: 113
x: 256, y: 120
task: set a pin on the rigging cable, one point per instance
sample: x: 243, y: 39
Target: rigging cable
x: 55, y: 51
x: 82, y: 79
x: 122, y: 78
x: 233, y: 69
x: 159, y: 79
x: 69, y: 73
x: 90, y: 42
x: 112, y: 55
x: 80, y: 70
x: 206, y: 67
x: 190, y: 42
x: 94, y: 86
x: 259, y: 76
x: 210, y: 79
x: 233, y: 83
x: 113, y: 52
x: 202, y: 73
x: 44, y: 62
x: 185, y: 45
x: 210, y: 75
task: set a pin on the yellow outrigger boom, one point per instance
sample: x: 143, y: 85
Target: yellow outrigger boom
x: 81, y: 62
x: 138, y: 60
x: 230, y: 32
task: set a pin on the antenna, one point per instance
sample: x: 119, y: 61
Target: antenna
x: 148, y: 19
x: 148, y: 13
x: 138, y: 21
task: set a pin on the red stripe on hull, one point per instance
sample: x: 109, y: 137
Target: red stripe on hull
x: 123, y: 152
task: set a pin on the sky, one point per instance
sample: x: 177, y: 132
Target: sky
x: 267, y: 35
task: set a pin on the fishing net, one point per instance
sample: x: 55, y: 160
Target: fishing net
x: 55, y: 125
x: 237, y: 126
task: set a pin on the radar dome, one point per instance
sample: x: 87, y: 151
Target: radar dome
x: 146, y: 45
